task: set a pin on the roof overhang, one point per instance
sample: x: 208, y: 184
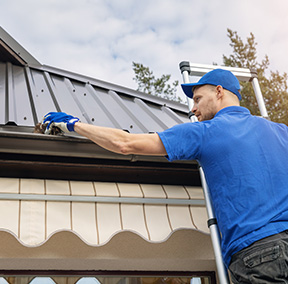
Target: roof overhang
x: 33, y: 155
x: 12, y: 51
x: 8, y: 55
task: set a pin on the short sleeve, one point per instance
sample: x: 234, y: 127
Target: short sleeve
x: 183, y: 141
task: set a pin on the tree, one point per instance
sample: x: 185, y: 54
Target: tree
x: 273, y: 87
x: 154, y: 86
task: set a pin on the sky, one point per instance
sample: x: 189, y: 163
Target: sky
x: 101, y: 38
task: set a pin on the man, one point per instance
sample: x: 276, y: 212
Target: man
x: 244, y: 159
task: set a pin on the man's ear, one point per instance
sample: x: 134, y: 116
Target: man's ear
x: 219, y: 92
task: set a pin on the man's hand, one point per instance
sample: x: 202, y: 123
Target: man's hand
x: 61, y: 120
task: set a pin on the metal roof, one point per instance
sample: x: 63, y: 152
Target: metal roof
x: 29, y: 90
x: 27, y: 93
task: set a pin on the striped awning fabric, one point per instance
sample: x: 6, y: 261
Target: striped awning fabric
x: 41, y: 219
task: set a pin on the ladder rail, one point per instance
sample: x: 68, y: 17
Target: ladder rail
x: 212, y: 224
x: 259, y: 97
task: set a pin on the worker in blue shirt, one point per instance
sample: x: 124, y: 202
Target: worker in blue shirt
x: 244, y: 159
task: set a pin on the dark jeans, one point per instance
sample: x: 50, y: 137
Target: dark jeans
x: 265, y: 261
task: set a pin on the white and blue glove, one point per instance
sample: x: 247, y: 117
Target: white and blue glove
x: 60, y: 120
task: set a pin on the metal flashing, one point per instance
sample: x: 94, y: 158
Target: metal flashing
x: 12, y: 51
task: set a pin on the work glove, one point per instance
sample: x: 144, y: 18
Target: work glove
x: 60, y: 120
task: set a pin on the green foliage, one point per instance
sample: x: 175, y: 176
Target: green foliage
x: 154, y: 86
x: 273, y: 87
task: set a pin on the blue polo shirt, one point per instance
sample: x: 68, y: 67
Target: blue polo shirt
x: 245, y: 161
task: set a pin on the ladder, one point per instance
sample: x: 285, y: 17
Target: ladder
x: 246, y: 75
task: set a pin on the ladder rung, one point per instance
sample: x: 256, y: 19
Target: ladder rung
x: 194, y: 69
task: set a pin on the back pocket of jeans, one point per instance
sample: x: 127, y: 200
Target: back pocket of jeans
x: 262, y: 256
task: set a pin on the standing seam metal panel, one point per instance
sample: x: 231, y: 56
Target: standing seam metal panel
x: 102, y: 116
x: 3, y: 99
x: 26, y: 94
x: 19, y: 104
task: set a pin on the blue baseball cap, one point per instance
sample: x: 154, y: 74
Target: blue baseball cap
x: 215, y: 77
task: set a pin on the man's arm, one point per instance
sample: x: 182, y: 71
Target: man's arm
x: 122, y: 142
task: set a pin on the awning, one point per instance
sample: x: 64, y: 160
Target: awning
x: 74, y: 225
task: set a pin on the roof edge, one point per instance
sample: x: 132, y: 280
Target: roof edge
x: 13, y: 141
x: 17, y: 50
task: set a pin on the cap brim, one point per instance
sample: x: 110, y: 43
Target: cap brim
x: 188, y: 88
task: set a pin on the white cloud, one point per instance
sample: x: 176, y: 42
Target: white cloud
x: 101, y: 38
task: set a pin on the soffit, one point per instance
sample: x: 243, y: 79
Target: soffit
x: 8, y: 55
x: 100, y: 223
